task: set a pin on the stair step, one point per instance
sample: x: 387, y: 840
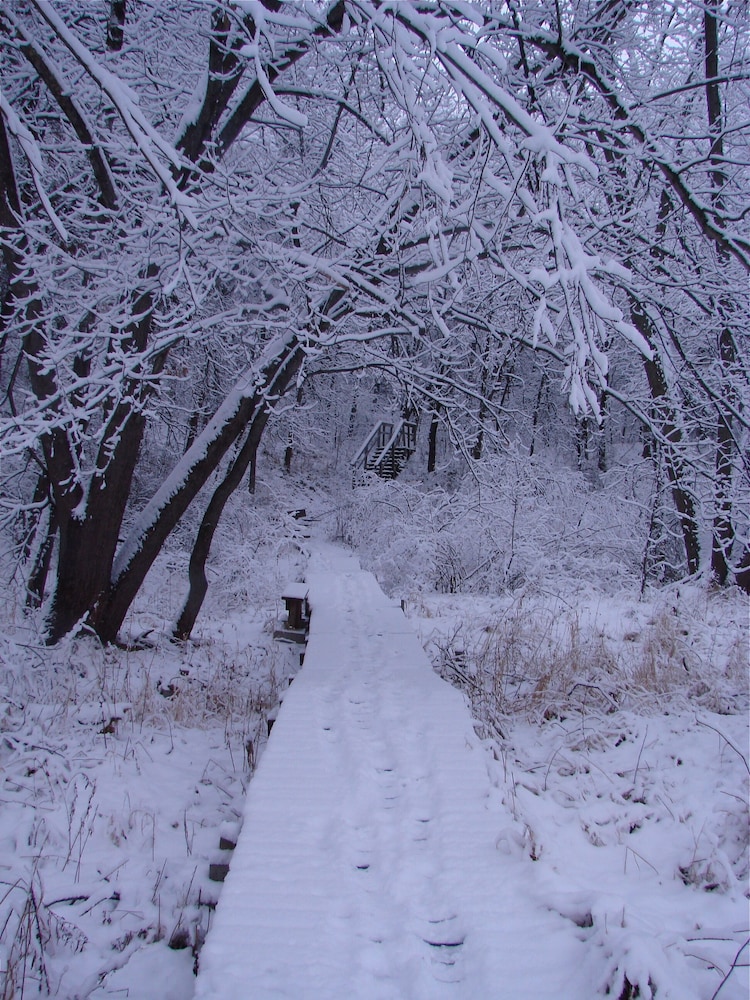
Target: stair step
x: 388, y: 463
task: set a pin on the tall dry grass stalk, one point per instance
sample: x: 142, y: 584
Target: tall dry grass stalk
x: 544, y: 663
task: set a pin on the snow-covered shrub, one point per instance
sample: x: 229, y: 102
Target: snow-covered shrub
x: 117, y: 768
x: 541, y: 655
x: 258, y: 550
x: 627, y: 790
x: 514, y: 522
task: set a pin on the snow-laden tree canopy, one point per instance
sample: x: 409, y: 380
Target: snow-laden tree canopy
x: 409, y: 185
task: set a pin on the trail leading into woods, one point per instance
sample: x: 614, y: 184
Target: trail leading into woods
x: 373, y: 860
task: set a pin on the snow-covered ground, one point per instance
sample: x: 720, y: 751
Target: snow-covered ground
x: 118, y: 770
x: 117, y: 773
x: 613, y: 735
x: 620, y: 728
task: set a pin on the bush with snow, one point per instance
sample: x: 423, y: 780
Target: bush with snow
x: 513, y: 522
x: 119, y: 766
x: 619, y: 732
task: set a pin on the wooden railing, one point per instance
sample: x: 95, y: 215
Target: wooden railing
x: 387, y: 448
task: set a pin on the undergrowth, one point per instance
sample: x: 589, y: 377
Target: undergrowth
x: 619, y: 732
x: 119, y: 767
x: 541, y: 659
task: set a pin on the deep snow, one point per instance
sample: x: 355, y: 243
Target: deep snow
x: 610, y: 841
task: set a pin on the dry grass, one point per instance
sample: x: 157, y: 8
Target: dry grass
x: 543, y: 661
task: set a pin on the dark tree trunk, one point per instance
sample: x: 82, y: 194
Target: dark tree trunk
x: 172, y: 500
x: 37, y: 580
x: 476, y: 448
x: 59, y: 457
x: 665, y: 417
x: 537, y: 411
x: 88, y: 539
x: 723, y: 524
x: 582, y: 442
x: 432, y: 441
x: 88, y: 544
x: 15, y: 287
x: 601, y: 442
x: 713, y: 99
x: 197, y: 417
x: 742, y: 572
x: 202, y: 547
x: 10, y: 210
x: 45, y: 532
x: 671, y: 437
x: 116, y: 25
x: 486, y: 392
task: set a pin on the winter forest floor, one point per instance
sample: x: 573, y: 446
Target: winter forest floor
x: 614, y: 735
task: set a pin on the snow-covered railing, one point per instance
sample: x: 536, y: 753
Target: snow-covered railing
x: 370, y: 442
x: 388, y: 444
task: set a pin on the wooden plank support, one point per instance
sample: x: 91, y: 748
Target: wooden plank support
x: 294, y: 627
x: 218, y: 867
x: 294, y: 597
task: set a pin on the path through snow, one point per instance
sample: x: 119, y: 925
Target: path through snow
x: 373, y: 858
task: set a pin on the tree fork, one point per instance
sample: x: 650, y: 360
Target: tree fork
x: 145, y: 541
x: 88, y: 541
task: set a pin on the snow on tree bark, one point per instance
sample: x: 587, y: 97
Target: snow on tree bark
x: 408, y: 178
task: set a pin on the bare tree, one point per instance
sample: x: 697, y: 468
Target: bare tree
x: 389, y: 180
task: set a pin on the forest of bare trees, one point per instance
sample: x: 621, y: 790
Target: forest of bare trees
x: 511, y: 213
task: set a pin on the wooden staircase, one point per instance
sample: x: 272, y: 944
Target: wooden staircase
x: 386, y: 450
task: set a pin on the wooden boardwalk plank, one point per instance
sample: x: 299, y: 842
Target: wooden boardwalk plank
x: 368, y: 863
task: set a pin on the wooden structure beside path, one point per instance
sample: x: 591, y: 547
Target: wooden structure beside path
x: 386, y: 449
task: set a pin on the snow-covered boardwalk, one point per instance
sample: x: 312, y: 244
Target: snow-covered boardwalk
x: 371, y: 862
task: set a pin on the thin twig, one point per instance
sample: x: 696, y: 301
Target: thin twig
x: 637, y: 855
x: 638, y: 762
x: 726, y: 739
x: 735, y: 964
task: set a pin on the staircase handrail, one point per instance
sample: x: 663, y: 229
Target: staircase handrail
x: 389, y: 443
x: 397, y: 430
x: 363, y: 451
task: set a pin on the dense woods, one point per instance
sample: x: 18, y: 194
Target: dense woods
x: 525, y: 225
x: 453, y: 292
